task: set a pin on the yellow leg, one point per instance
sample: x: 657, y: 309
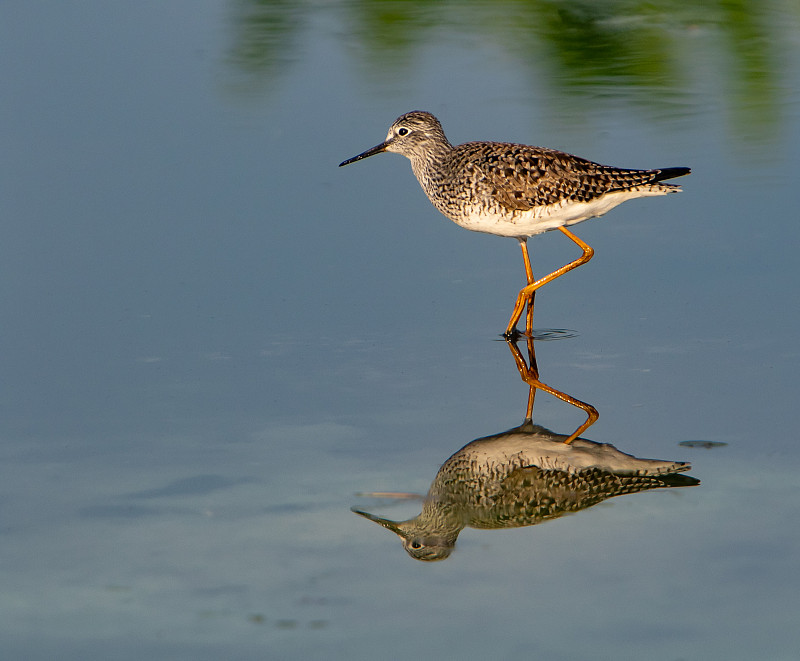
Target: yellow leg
x: 529, y: 275
x: 528, y: 270
x: 526, y: 294
x: 530, y: 374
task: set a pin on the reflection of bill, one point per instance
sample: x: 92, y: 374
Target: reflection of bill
x: 522, y: 477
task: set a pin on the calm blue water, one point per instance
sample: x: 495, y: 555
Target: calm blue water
x: 213, y: 339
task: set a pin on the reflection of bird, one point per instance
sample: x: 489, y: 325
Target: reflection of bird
x: 522, y: 477
x: 514, y: 190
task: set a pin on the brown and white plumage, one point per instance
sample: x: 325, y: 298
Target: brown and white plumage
x: 514, y: 190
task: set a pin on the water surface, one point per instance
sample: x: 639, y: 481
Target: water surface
x: 214, y: 339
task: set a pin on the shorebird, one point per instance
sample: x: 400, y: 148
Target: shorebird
x: 515, y: 190
x: 522, y: 477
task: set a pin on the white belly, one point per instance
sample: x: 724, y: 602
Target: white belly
x: 542, y: 219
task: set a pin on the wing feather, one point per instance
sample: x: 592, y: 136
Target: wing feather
x: 521, y: 177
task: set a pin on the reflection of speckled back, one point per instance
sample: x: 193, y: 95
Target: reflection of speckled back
x: 520, y: 478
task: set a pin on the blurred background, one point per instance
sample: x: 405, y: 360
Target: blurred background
x: 213, y: 339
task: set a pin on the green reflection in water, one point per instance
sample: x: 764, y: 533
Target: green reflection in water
x: 646, y: 53
x: 265, y: 41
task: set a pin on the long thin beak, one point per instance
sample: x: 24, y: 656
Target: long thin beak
x: 386, y: 523
x: 377, y: 149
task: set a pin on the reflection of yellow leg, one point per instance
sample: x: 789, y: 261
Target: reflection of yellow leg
x: 527, y: 292
x: 591, y: 411
x: 533, y: 369
x: 530, y: 375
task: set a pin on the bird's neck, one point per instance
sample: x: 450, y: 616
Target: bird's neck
x: 427, y: 165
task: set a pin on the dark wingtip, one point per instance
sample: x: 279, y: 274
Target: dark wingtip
x: 671, y: 173
x: 677, y: 480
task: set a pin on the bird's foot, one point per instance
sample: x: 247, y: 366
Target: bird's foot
x: 539, y: 334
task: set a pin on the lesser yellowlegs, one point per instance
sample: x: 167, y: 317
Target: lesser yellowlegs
x: 515, y: 190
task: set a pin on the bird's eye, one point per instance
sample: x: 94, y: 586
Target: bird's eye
x: 402, y: 131
x: 416, y: 545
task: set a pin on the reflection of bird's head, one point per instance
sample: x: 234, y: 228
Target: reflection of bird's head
x: 419, y: 543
